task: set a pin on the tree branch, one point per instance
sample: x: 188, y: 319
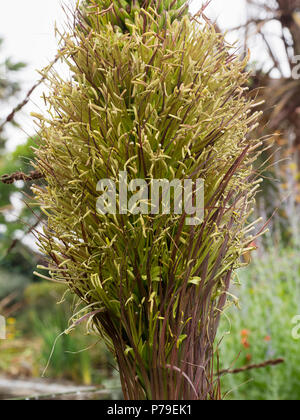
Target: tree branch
x: 21, y: 176
x: 251, y: 367
x: 21, y: 105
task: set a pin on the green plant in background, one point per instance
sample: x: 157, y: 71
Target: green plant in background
x: 70, y: 358
x: 73, y: 356
x: 9, y: 87
x: 159, y: 94
x: 17, y: 260
x: 17, y: 263
x: 17, y: 161
x: 262, y: 330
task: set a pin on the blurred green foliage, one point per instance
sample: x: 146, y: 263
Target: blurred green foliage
x: 76, y: 355
x: 262, y: 329
x: 9, y: 85
x: 35, y: 341
x: 19, y: 160
x: 16, y: 259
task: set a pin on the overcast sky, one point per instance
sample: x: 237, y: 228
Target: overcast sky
x: 27, y: 27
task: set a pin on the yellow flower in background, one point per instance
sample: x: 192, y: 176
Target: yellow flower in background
x: 11, y: 328
x: 293, y: 166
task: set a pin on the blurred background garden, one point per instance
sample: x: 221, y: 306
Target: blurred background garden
x: 261, y: 322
